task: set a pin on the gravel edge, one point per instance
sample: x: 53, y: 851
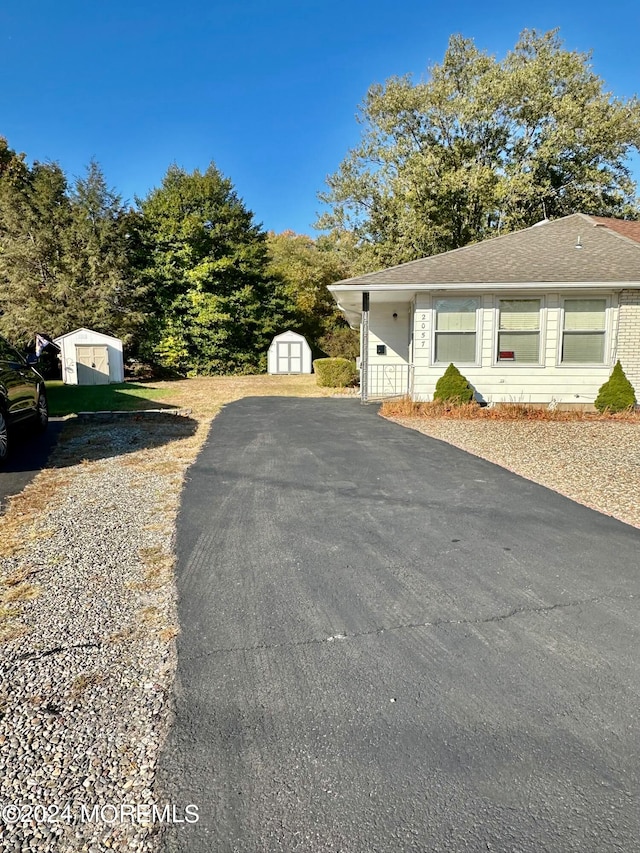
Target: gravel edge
x: 90, y: 619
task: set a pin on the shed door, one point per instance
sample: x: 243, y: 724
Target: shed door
x: 289, y: 357
x: 93, y: 365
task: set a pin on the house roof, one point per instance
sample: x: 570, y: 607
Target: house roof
x: 576, y: 248
x: 626, y: 227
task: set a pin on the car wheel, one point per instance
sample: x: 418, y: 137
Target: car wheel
x: 4, y: 437
x: 42, y: 412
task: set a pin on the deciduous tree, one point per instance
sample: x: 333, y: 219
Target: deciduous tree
x: 483, y: 146
x: 305, y: 267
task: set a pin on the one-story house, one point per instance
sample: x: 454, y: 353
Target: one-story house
x: 536, y: 316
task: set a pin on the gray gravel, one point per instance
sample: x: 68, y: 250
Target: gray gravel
x: 594, y: 463
x: 83, y: 695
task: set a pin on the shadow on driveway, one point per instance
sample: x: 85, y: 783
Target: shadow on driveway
x: 68, y: 442
x: 29, y: 454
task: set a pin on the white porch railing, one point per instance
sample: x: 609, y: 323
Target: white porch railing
x: 389, y: 380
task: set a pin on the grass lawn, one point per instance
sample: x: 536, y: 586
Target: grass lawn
x: 203, y: 395
x: 123, y: 396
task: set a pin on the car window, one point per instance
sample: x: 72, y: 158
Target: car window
x: 8, y: 353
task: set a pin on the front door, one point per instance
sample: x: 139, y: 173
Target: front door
x: 93, y: 365
x: 289, y: 357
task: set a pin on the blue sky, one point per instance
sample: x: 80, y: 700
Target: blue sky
x: 268, y: 91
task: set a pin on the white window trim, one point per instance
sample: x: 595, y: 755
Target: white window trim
x: 511, y: 365
x: 608, y: 360
x: 478, y: 331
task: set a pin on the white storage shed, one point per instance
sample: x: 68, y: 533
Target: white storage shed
x: 289, y: 353
x: 90, y: 358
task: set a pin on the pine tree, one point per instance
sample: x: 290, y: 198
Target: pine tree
x: 67, y: 259
x: 34, y: 218
x: 617, y: 393
x: 215, y: 304
x: 104, y: 288
x: 452, y: 387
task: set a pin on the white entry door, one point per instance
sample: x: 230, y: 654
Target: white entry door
x: 289, y: 356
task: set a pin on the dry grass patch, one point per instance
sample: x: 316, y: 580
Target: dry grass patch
x: 10, y: 630
x: 150, y: 614
x: 205, y: 395
x: 20, y: 592
x: 18, y: 525
x: 20, y: 575
x: 6, y: 613
x: 169, y: 633
x: 157, y: 566
x: 16, y: 592
x: 83, y: 682
x: 404, y: 407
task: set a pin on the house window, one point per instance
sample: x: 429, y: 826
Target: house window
x: 456, y: 330
x: 519, y: 331
x: 584, y: 331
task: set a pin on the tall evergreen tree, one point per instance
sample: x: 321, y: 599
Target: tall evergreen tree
x: 34, y: 218
x: 67, y: 258
x: 104, y: 288
x: 215, y: 305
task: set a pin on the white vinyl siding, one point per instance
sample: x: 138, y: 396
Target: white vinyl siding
x: 583, y: 337
x: 455, y: 330
x: 389, y: 372
x: 546, y: 380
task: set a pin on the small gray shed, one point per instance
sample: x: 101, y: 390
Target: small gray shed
x: 90, y: 358
x: 289, y: 353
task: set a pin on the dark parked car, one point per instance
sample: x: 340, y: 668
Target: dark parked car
x: 23, y: 397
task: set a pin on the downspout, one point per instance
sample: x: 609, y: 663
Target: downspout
x: 364, y: 343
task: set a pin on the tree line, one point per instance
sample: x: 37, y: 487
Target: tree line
x: 186, y: 278
x: 192, y: 284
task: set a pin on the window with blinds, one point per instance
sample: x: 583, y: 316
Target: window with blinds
x: 455, y: 330
x: 519, y: 331
x: 584, y: 331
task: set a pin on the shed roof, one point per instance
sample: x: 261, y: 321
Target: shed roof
x: 576, y: 248
x: 88, y: 331
x: 289, y: 333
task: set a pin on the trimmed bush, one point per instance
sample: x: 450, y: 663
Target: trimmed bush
x: 617, y: 393
x: 334, y: 372
x: 452, y: 387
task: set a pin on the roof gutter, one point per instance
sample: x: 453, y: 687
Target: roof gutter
x: 507, y: 285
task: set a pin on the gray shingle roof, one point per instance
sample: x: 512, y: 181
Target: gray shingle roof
x: 610, y: 251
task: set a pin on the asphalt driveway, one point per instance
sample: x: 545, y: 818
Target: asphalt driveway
x: 390, y: 645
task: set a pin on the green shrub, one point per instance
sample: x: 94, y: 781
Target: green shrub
x: 617, y: 393
x: 452, y: 387
x: 334, y: 372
